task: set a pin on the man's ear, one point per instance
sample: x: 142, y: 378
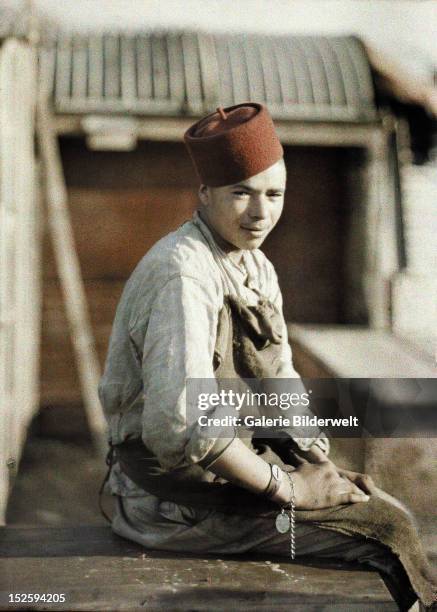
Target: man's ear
x: 204, y: 195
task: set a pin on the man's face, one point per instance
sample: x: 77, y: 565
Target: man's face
x: 243, y: 215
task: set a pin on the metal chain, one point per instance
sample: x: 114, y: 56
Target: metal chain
x: 292, y: 517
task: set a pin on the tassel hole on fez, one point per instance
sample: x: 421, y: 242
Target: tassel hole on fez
x: 239, y: 160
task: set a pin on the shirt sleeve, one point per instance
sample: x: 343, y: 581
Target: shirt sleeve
x: 179, y: 346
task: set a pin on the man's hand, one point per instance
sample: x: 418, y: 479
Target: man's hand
x: 363, y: 481
x: 314, y: 455
x: 317, y: 485
x: 323, y: 485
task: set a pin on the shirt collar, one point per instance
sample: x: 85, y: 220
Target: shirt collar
x: 207, y: 234
x: 237, y: 275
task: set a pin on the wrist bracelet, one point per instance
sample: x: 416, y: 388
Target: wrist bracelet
x: 274, y: 484
x: 265, y: 492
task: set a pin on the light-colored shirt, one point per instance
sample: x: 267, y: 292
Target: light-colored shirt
x: 164, y: 333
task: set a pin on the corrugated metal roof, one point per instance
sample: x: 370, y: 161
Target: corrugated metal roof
x: 316, y: 78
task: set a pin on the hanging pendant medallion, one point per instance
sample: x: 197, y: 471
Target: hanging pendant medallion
x: 282, y: 523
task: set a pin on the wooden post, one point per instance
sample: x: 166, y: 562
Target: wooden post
x: 27, y: 254
x: 69, y: 273
x: 7, y: 272
x: 20, y: 244
x: 381, y: 241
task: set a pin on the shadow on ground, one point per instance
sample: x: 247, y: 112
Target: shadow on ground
x: 57, y: 484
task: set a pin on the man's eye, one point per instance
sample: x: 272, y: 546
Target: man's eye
x: 240, y: 193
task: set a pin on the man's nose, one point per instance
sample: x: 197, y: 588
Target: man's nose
x: 258, y: 207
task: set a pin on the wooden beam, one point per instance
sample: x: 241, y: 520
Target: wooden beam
x: 70, y: 275
x: 171, y: 129
x: 381, y: 241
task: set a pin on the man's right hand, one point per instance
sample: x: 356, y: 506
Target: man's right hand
x: 320, y: 485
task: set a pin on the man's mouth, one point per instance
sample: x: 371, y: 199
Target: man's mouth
x: 254, y: 229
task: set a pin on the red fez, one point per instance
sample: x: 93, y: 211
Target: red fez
x: 233, y: 144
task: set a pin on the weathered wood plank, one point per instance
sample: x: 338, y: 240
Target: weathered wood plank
x: 176, y: 68
x: 103, y: 572
x: 168, y: 597
x: 270, y: 74
x: 359, y: 352
x: 86, y: 540
x: 190, y: 52
x: 240, y: 83
x: 144, y: 67
x: 111, y: 73
x: 63, y: 68
x: 128, y: 75
x: 160, y: 67
x: 209, y: 70
x: 95, y: 74
x: 79, y: 68
x: 301, y: 71
x: 254, y: 73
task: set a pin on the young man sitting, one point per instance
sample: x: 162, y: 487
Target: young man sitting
x: 204, y: 303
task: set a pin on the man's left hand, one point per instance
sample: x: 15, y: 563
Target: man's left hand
x: 363, y: 481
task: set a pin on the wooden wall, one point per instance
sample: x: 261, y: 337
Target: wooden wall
x: 307, y: 245
x: 121, y: 203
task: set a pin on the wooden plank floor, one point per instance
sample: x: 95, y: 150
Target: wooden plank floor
x: 96, y: 570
